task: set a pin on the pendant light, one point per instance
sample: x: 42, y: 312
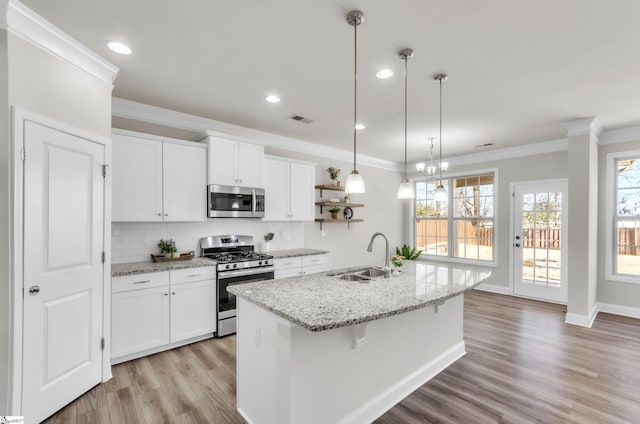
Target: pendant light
x: 355, y: 183
x: 405, y: 191
x: 440, y: 194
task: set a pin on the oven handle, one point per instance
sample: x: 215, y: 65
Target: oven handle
x: 253, y: 202
x: 242, y: 272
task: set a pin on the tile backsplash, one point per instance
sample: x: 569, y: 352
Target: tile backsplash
x: 134, y: 241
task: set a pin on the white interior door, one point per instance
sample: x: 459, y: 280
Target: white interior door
x: 63, y: 270
x: 539, y: 240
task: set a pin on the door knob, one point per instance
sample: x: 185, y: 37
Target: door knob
x: 34, y: 290
x: 517, y: 237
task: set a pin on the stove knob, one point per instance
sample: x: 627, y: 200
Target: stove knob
x: 228, y: 266
x: 259, y: 262
x: 235, y: 265
x: 266, y: 262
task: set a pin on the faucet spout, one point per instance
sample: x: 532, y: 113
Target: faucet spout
x: 387, y: 268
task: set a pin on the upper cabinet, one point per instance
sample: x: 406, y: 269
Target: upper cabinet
x: 156, y: 180
x: 235, y: 163
x: 288, y: 190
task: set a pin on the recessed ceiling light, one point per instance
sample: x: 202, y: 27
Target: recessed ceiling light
x: 272, y: 99
x: 119, y: 47
x: 360, y: 126
x: 384, y: 73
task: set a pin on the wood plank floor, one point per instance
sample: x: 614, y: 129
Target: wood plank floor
x: 523, y: 365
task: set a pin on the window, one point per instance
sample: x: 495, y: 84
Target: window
x: 466, y: 229
x: 626, y: 251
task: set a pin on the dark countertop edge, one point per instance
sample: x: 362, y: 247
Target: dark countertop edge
x: 347, y: 323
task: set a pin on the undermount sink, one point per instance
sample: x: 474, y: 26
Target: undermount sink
x: 372, y: 272
x: 354, y: 277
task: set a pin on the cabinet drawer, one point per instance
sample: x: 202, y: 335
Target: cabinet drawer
x: 314, y: 260
x: 286, y: 263
x: 193, y: 274
x: 139, y: 281
x: 314, y: 269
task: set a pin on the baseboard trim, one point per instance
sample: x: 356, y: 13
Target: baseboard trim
x: 582, y: 320
x: 492, y: 288
x: 377, y: 406
x: 625, y: 311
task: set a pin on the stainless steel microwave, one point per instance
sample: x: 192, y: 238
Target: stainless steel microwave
x: 235, y: 202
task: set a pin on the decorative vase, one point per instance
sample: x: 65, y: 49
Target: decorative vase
x: 167, y: 254
x: 396, y: 271
x: 335, y: 183
x: 334, y: 215
x: 338, y: 183
x: 175, y: 255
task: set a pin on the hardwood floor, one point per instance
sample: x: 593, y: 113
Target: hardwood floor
x: 523, y: 365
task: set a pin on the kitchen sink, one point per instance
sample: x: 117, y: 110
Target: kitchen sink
x: 372, y: 272
x: 354, y: 277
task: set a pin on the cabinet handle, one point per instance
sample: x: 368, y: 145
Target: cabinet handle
x: 193, y: 275
x: 141, y: 282
x: 173, y: 293
x: 288, y: 263
x: 159, y: 214
x: 166, y: 294
x: 166, y: 214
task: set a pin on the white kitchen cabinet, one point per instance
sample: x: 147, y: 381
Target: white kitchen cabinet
x: 158, y: 311
x: 156, y: 180
x: 235, y: 163
x: 300, y: 265
x: 289, y: 189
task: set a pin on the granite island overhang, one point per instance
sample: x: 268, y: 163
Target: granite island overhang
x: 320, y: 349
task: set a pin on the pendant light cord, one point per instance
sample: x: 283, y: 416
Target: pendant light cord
x: 440, y: 131
x: 406, y: 58
x: 355, y: 90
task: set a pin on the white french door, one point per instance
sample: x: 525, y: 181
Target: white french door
x: 539, y: 240
x: 63, y: 269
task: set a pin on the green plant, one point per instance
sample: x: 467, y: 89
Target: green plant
x: 167, y: 246
x: 333, y: 172
x: 408, y: 252
x: 396, y: 260
x: 334, y: 210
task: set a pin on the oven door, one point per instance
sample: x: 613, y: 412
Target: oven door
x: 230, y: 202
x: 226, y: 300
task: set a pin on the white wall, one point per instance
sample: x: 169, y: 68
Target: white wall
x: 46, y: 85
x: 382, y: 212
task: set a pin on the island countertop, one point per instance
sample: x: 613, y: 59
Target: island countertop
x: 323, y: 301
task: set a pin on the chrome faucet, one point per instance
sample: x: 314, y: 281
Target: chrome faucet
x: 387, y: 268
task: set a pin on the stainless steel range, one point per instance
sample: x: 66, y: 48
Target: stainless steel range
x: 237, y: 263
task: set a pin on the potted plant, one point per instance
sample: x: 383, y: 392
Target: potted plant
x: 396, y: 260
x: 334, y: 212
x: 168, y: 248
x: 333, y: 174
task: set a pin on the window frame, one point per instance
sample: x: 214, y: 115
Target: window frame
x: 450, y: 176
x: 611, y: 203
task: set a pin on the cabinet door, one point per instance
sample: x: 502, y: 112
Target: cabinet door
x: 139, y: 320
x: 136, y: 179
x: 250, y: 159
x: 302, y: 192
x: 276, y: 186
x: 185, y: 180
x: 223, y: 162
x: 193, y: 309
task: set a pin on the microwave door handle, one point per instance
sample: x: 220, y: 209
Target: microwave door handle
x: 253, y: 202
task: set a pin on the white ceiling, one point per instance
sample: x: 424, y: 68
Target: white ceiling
x: 517, y: 69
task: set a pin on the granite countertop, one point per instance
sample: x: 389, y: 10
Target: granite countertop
x: 290, y: 253
x: 322, y: 301
x: 118, y: 270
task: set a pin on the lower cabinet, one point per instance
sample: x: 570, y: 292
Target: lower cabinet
x: 300, y: 265
x: 157, y: 311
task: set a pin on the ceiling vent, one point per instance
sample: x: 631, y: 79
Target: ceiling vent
x: 300, y: 118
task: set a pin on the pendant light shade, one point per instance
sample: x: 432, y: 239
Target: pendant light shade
x: 440, y: 194
x: 405, y: 191
x: 355, y: 183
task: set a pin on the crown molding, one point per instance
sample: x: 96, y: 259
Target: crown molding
x: 584, y: 126
x: 26, y: 24
x: 208, y: 127
x: 509, y: 152
x: 620, y: 135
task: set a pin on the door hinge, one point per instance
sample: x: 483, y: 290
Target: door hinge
x: 104, y: 171
x: 103, y: 257
x: 23, y: 154
x: 102, y: 343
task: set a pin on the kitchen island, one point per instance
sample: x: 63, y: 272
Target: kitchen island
x: 321, y: 349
